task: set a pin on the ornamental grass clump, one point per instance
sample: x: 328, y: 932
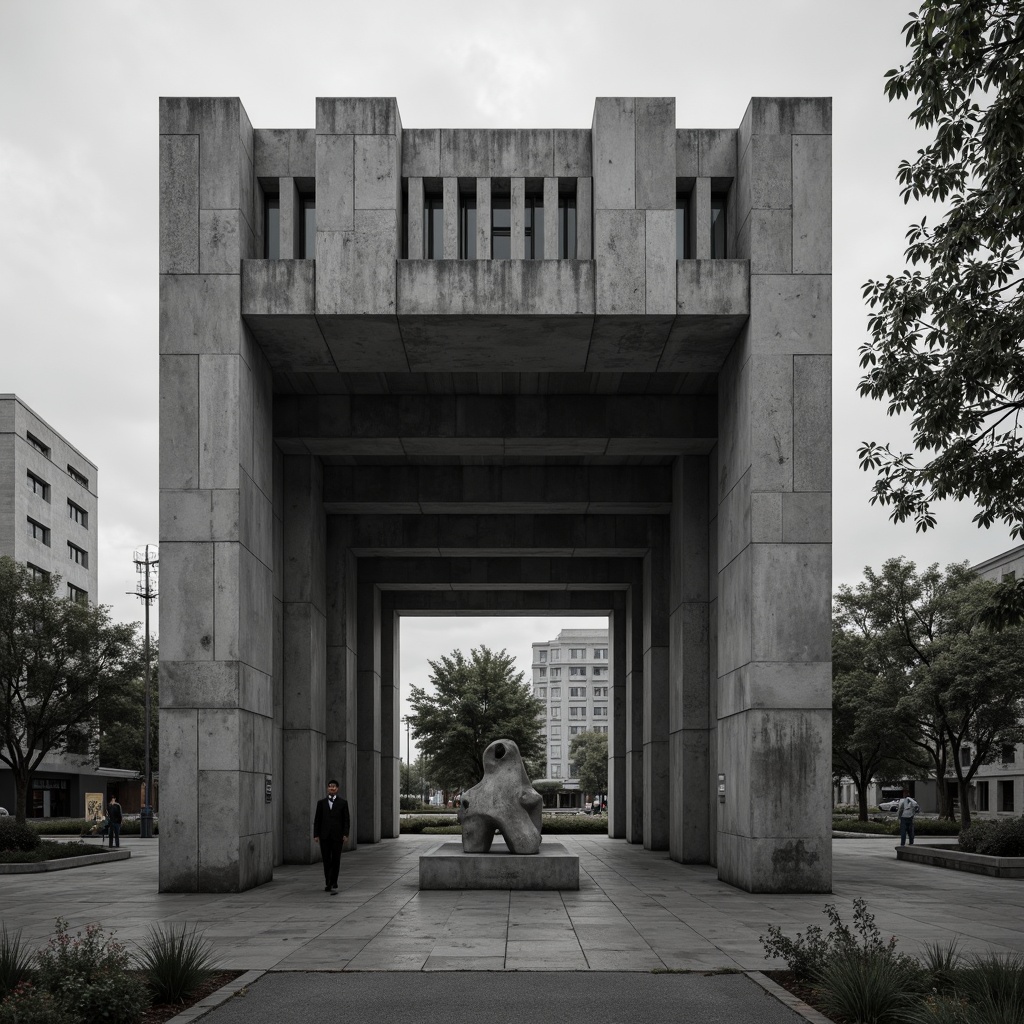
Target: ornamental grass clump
x: 15, y: 961
x: 993, y: 988
x: 90, y: 975
x: 176, y: 961
x: 870, y: 987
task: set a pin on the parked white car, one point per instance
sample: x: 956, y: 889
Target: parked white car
x: 4, y: 812
x: 889, y: 805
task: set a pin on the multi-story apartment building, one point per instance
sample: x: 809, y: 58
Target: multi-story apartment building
x: 571, y: 675
x: 48, y: 521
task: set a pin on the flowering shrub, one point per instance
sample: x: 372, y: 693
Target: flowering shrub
x: 28, y: 1004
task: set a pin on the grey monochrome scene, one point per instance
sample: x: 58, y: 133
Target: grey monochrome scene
x: 581, y: 371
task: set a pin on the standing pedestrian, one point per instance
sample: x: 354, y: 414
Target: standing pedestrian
x: 114, y: 818
x: 330, y: 831
x: 905, y: 811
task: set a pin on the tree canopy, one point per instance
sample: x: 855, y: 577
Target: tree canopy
x: 947, y: 334
x: 63, y: 664
x: 475, y: 701
x: 589, y: 752
x: 123, y: 726
x: 916, y: 672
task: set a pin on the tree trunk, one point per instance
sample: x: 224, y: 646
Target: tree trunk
x: 965, y: 808
x: 862, y: 802
x: 21, y: 781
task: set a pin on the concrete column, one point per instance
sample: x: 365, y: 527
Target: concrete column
x: 689, y: 723
x: 417, y: 242
x: 290, y: 212
x: 451, y: 218
x: 551, y: 218
x: 634, y: 740
x: 617, y: 726
x: 368, y: 716
x: 700, y: 219
x: 483, y: 218
x: 657, y: 797
x: 584, y: 219
x: 305, y: 654
x: 656, y: 195
x: 518, y: 212
x: 390, y: 726
x: 216, y: 513
x: 341, y: 683
x: 774, y: 514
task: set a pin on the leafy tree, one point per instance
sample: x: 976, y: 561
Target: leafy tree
x: 123, y: 726
x: 475, y: 702
x: 946, y: 336
x: 589, y: 751
x: 914, y: 641
x: 62, y: 663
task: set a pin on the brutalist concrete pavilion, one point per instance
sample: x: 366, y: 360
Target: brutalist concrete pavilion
x: 530, y: 371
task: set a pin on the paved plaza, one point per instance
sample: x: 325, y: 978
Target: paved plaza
x: 636, y: 910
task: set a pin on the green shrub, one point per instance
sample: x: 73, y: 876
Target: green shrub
x: 442, y: 830
x: 176, y: 962
x: 81, y: 826
x: 891, y: 827
x: 1002, y: 838
x: 809, y: 953
x: 28, y: 1004
x: 15, y: 961
x: 15, y: 836
x: 872, y: 987
x: 941, y: 961
x: 575, y: 824
x: 91, y: 975
x: 993, y: 987
x: 48, y: 849
x: 412, y: 826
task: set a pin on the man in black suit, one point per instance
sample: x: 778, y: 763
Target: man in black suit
x: 330, y: 830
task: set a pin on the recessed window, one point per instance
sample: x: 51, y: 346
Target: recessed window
x: 556, y: 749
x: 467, y: 226
x: 982, y: 796
x: 77, y: 513
x: 556, y: 730
x: 79, y: 478
x: 965, y: 757
x: 600, y: 691
x: 577, y: 691
x: 598, y: 672
x: 38, y: 486
x: 1009, y: 753
x: 78, y: 555
x: 556, y: 711
x: 601, y: 653
x: 575, y: 730
x: 601, y: 711
x: 542, y: 672
x: 77, y: 594
x: 271, y: 226
x: 603, y: 729
x: 556, y: 673
x: 542, y: 656
x: 433, y: 225
x: 1009, y: 577
x: 577, y: 671
x: 576, y: 653
x: 577, y: 712
x: 37, y: 444
x: 501, y: 223
x: 307, y: 227
x: 38, y: 532
x: 718, y: 225
x: 682, y: 226
x: 533, y: 220
x: 556, y: 771
x: 556, y: 693
x: 1005, y: 794
x: 542, y: 691
x: 567, y: 223
x: 37, y: 573
x: 556, y: 655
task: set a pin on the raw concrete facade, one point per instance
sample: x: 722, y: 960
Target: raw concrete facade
x: 382, y: 428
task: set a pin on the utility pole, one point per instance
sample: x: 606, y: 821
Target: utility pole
x: 145, y: 567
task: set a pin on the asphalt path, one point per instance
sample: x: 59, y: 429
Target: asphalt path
x: 489, y: 997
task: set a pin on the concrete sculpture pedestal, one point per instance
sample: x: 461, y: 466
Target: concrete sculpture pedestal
x: 448, y: 866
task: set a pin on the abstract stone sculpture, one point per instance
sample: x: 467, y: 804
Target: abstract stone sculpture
x: 504, y: 800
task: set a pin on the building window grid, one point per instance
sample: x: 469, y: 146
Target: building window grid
x: 38, y: 532
x: 37, y: 572
x: 556, y: 673
x: 577, y: 691
x: 39, y: 446
x: 38, y: 485
x: 577, y: 672
x: 600, y: 653
x: 78, y: 555
x: 79, y: 478
x: 577, y: 653
x: 78, y: 514
x: 600, y: 711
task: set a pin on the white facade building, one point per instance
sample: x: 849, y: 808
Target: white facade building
x: 571, y: 675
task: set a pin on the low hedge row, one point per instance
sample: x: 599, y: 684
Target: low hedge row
x: 1001, y: 838
x: 891, y: 827
x: 79, y: 826
x: 48, y: 849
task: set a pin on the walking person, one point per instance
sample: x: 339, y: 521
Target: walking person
x: 905, y: 811
x: 114, y: 818
x: 330, y: 831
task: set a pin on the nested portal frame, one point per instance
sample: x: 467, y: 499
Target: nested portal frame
x: 359, y: 424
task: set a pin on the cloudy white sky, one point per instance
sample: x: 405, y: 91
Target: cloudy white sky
x: 79, y: 83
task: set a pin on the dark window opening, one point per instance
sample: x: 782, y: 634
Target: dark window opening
x: 271, y: 226
x: 718, y: 225
x: 467, y: 226
x: 433, y: 226
x: 965, y: 757
x: 77, y: 594
x: 307, y: 227
x: 78, y: 555
x: 38, y: 486
x: 1005, y: 794
x: 78, y: 477
x: 533, y: 226
x: 682, y: 226
x: 501, y: 223
x: 567, y: 225
x: 1009, y: 753
x: 982, y: 796
x: 37, y: 444
x: 39, y: 532
x: 77, y: 513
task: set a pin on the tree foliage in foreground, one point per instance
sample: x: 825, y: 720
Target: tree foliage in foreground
x: 914, y: 642
x: 589, y: 752
x: 63, y: 664
x: 475, y: 701
x: 947, y: 335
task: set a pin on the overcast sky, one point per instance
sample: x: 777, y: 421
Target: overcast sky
x: 78, y: 188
